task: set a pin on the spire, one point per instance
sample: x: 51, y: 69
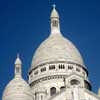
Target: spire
x: 55, y: 26
x: 18, y: 61
x: 18, y: 65
x: 54, y: 6
x: 54, y: 12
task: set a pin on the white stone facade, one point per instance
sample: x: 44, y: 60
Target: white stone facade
x: 57, y: 71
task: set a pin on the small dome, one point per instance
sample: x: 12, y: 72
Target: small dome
x: 56, y: 48
x: 17, y: 89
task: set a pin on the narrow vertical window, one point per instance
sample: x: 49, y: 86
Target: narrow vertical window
x: 17, y: 70
x: 52, y: 91
x: 41, y: 97
x: 55, y: 23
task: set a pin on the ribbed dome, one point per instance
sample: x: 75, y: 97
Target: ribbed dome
x: 17, y: 89
x: 56, y: 48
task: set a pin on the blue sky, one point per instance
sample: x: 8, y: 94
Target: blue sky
x: 24, y: 24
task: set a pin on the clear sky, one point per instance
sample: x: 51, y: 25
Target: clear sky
x: 24, y: 24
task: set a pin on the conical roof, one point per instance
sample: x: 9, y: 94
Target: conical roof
x: 54, y: 12
x: 18, y: 60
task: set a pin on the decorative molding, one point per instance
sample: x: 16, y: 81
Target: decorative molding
x: 51, y: 77
x: 57, y: 62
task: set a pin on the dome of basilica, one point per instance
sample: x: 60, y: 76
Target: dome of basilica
x: 56, y: 48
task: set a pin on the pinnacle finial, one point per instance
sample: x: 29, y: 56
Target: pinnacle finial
x: 17, y: 55
x: 18, y: 60
x: 54, y: 6
x: 54, y: 12
x: 55, y: 25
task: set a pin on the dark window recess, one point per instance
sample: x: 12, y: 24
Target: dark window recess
x: 17, y: 70
x: 62, y: 88
x: 74, y: 82
x: 70, y: 67
x: 55, y: 23
x: 83, y: 73
x: 77, y: 69
x: 35, y: 73
x: 52, y: 91
x: 43, y: 69
x: 52, y: 67
x: 87, y: 85
x: 41, y: 97
x: 30, y: 72
x: 61, y: 66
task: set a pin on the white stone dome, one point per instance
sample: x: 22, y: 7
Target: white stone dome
x: 17, y: 89
x: 56, y: 48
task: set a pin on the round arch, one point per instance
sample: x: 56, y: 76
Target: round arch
x: 52, y: 91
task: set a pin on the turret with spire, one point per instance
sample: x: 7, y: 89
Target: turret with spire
x: 18, y: 65
x: 55, y: 26
x: 17, y: 88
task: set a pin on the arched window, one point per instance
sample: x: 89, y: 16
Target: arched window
x: 52, y: 91
x: 62, y: 88
x: 55, y: 23
x: 61, y: 66
x: 70, y: 67
x: 17, y: 70
x: 52, y: 67
x: 36, y: 72
x: 74, y: 82
x: 87, y: 85
x: 43, y: 69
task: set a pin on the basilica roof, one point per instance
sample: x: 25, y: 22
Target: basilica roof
x: 56, y: 47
